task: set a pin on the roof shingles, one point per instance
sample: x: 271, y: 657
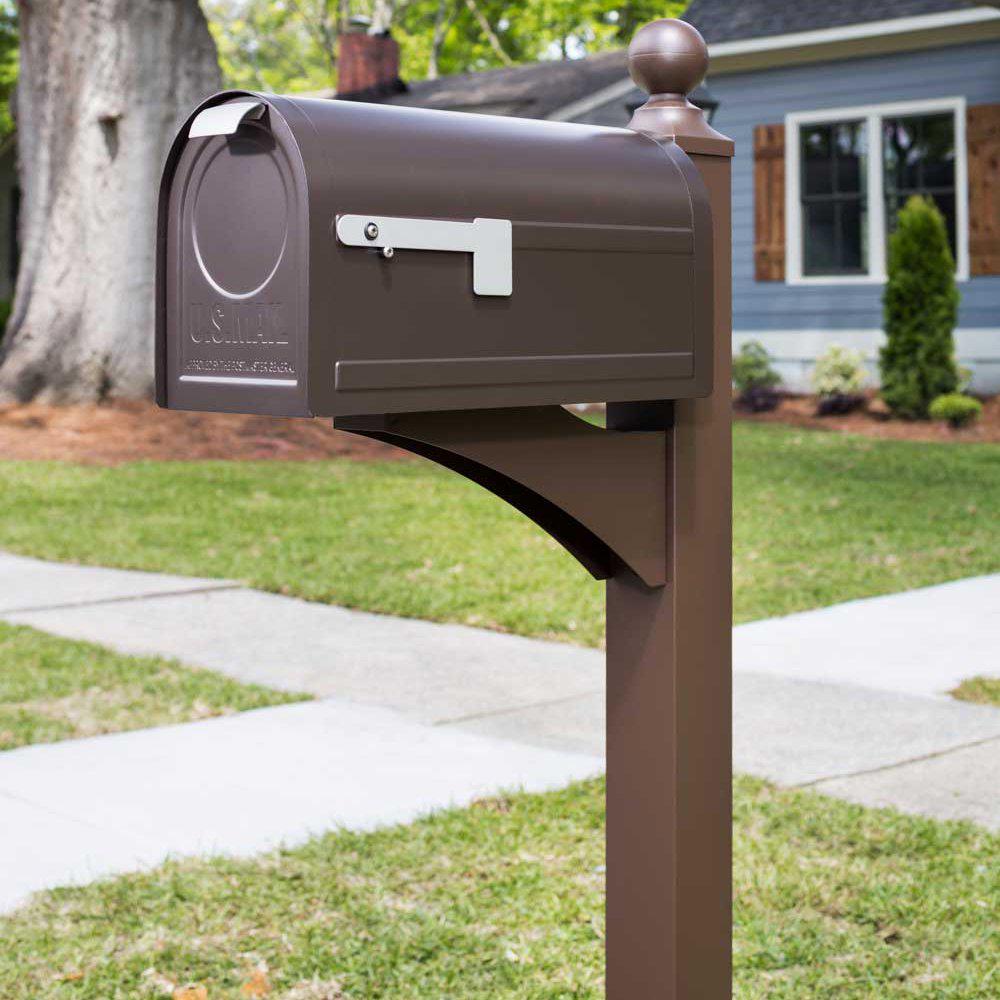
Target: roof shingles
x: 532, y: 91
x: 729, y: 21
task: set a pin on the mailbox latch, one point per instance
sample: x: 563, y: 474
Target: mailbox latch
x: 225, y: 119
x: 488, y: 240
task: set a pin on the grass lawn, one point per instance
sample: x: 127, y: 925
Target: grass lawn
x: 819, y: 518
x: 54, y: 689
x: 982, y: 690
x: 504, y: 900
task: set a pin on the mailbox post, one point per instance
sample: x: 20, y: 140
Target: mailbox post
x: 450, y: 308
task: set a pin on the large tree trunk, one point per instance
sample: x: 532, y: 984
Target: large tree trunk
x: 103, y: 87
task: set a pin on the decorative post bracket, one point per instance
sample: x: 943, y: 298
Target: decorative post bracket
x: 600, y: 493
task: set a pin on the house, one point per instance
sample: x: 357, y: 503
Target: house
x: 839, y: 112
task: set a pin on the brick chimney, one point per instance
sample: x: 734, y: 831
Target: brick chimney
x: 368, y: 66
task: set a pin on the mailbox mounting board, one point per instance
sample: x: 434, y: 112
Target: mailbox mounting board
x: 336, y: 258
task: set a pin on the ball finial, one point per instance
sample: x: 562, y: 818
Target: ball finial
x: 668, y: 57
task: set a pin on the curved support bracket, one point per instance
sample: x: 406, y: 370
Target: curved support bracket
x: 600, y: 493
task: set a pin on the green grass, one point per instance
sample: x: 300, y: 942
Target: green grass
x: 982, y: 690
x: 504, y: 901
x: 55, y: 689
x: 819, y: 518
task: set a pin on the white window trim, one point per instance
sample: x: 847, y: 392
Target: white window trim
x: 872, y: 115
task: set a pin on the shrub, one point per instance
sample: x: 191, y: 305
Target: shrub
x: 920, y: 308
x: 956, y: 409
x: 838, y: 378
x: 754, y: 377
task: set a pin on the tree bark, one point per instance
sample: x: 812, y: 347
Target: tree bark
x: 103, y: 88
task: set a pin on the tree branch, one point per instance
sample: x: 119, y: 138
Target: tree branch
x: 442, y: 22
x: 487, y: 30
x: 323, y: 31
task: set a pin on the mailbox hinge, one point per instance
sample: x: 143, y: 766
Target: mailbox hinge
x: 488, y: 240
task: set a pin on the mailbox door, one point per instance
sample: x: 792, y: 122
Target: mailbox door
x: 234, y: 260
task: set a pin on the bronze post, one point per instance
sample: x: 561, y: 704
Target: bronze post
x: 669, y: 651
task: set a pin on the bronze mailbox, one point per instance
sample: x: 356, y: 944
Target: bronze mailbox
x: 442, y: 282
x: 335, y: 258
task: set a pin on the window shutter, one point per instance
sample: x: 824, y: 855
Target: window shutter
x: 769, y: 202
x: 983, y: 141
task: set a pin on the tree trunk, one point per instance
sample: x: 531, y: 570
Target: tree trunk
x: 103, y: 87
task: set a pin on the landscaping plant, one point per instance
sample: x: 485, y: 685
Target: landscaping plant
x: 956, y: 409
x: 754, y: 378
x: 920, y: 310
x: 838, y: 378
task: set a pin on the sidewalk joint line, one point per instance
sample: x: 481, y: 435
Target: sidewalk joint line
x: 70, y: 816
x: 67, y: 605
x: 492, y: 713
x: 934, y: 754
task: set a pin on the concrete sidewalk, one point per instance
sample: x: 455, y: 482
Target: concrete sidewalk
x: 919, y: 642
x: 846, y: 699
x: 77, y: 810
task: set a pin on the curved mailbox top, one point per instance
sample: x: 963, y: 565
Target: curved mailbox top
x: 331, y: 257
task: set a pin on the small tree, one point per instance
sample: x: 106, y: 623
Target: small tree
x: 920, y: 308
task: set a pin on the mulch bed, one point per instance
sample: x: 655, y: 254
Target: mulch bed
x: 130, y: 432
x: 875, y: 421
x: 118, y: 432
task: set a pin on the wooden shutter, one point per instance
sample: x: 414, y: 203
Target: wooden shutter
x: 769, y: 202
x: 983, y: 143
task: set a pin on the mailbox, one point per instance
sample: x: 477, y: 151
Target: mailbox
x: 442, y: 282
x: 336, y: 258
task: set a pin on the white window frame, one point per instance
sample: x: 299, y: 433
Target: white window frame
x: 872, y: 115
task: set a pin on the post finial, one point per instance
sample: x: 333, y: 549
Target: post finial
x: 668, y: 59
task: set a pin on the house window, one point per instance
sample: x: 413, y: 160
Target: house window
x: 918, y: 157
x: 834, y: 200
x: 850, y: 172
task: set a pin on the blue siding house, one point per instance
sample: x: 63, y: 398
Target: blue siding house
x: 839, y: 112
x: 864, y: 115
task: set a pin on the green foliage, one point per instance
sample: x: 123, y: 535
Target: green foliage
x: 8, y: 65
x: 291, y: 46
x: 920, y: 309
x: 274, y: 47
x: 956, y: 409
x: 752, y: 368
x: 839, y: 371
x: 527, y: 32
